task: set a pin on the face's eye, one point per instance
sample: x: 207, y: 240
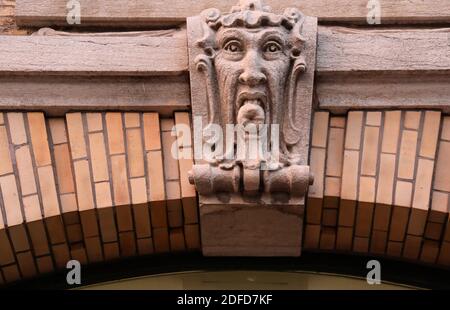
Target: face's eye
x: 233, y: 46
x: 272, y: 47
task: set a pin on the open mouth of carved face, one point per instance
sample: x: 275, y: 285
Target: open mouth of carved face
x: 251, y: 108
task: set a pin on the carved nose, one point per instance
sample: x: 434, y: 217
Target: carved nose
x: 252, y: 77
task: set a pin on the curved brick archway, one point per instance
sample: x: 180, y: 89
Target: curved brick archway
x: 103, y: 186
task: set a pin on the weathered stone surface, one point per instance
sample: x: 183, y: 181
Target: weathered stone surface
x: 251, y: 68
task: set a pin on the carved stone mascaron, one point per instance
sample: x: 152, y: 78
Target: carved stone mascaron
x: 252, y: 70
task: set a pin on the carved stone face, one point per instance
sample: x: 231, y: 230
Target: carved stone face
x: 252, y: 66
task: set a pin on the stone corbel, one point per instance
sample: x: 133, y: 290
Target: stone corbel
x: 252, y: 69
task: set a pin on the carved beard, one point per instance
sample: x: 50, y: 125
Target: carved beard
x: 273, y: 110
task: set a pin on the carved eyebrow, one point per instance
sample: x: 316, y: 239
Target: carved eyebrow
x: 228, y: 34
x: 273, y: 35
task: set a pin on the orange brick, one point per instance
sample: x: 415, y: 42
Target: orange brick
x: 317, y: 166
x: 391, y: 131
x: 48, y: 191
x: 152, y: 135
x: 74, y: 233
x: 444, y: 255
x: 161, y: 240
x: 337, y: 121
x: 412, y: 247
x: 111, y: 251
x: 32, y: 209
x: 430, y: 251
x: 124, y: 218
x: 78, y: 252
x: 330, y: 217
x: 94, y: 249
x: 364, y: 219
x: 403, y: 194
x: 381, y: 217
x: 412, y: 120
x: 68, y: 203
x: 314, y: 210
x: 407, y: 155
x: 433, y: 231
x: 417, y: 222
x: 83, y: 183
x: 394, y: 248
x: 335, y: 152
x: 11, y: 273
x: 103, y: 195
x: 19, y: 238
x: 142, y: 220
x: 94, y: 121
x: 373, y: 118
x: 177, y: 240
x: 63, y: 168
x: 366, y: 189
x: 185, y: 165
x: 58, y: 130
x: 347, y: 212
x: 6, y: 254
x: 353, y: 133
x: 115, y: 133
x: 138, y: 191
x: 127, y: 243
x: 5, y: 163
x: 430, y: 134
x: 386, y: 179
x: 378, y: 242
x: 76, y: 135
x: 132, y: 120
x: 98, y: 157
x: 107, y: 225
x: 399, y: 223
x: 17, y: 128
x: 184, y: 139
x: 39, y: 139
x: 61, y: 255
x: 332, y: 187
x: 11, y: 202
x: 320, y: 129
x: 170, y: 162
x: 312, y: 236
x: 331, y: 202
x: 344, y: 238
x: 158, y: 213
x: 120, y: 180
x: 155, y: 176
x: 192, y: 236
x: 350, y: 175
x: 361, y: 245
x: 328, y: 238
x: 370, y: 151
x: 38, y: 238
x: 55, y: 228
x: 422, y: 187
x: 445, y: 135
x: 145, y: 246
x: 167, y: 124
x: 140, y: 208
x: 439, y: 207
x: 135, y: 153
x: 190, y: 211
x: 442, y: 175
x: 25, y: 169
